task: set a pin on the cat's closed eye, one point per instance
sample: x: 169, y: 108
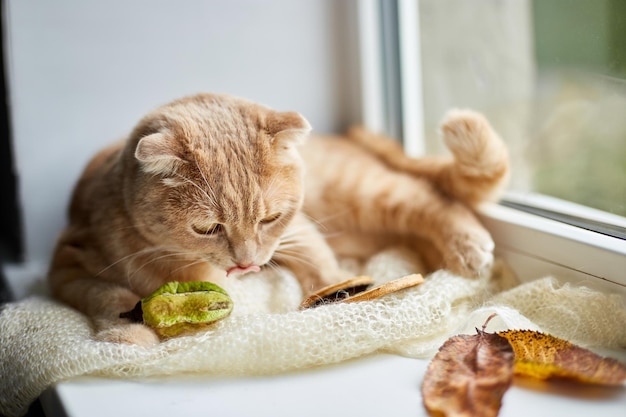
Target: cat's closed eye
x: 208, y: 229
x: 271, y: 218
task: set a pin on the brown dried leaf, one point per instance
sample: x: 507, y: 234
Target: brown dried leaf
x: 468, y: 376
x: 543, y: 356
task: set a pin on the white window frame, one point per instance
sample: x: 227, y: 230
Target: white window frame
x: 533, y: 246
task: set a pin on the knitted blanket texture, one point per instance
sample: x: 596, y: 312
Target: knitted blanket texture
x: 43, y: 342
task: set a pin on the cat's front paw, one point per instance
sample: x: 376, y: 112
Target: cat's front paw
x: 470, y: 256
x: 130, y: 334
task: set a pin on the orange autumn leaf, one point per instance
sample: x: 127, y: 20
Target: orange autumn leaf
x: 543, y: 356
x: 468, y: 376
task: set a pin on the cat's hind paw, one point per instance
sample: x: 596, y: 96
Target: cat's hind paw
x: 471, y: 258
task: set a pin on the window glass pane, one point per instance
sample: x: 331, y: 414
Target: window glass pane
x: 551, y: 77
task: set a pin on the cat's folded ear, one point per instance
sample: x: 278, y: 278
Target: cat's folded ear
x: 287, y: 127
x: 157, y: 154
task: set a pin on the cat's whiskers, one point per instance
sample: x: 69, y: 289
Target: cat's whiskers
x: 189, y: 265
x: 271, y: 188
x: 320, y: 221
x: 205, y: 207
x: 275, y: 266
x: 136, y: 225
x: 295, y: 231
x: 297, y: 256
x: 293, y: 235
x: 291, y: 243
x: 318, y: 225
x: 130, y: 275
x: 127, y: 257
x: 294, y: 239
x: 272, y: 265
x: 205, y: 192
x: 292, y: 247
x: 212, y: 197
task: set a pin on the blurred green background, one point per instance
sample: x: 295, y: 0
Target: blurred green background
x: 579, y: 154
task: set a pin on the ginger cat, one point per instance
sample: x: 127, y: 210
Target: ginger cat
x: 210, y: 187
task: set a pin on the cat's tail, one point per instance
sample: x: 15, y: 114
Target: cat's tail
x: 478, y: 170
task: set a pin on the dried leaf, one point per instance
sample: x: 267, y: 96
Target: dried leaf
x: 543, y: 356
x: 337, y: 292
x: 468, y: 376
x: 356, y: 289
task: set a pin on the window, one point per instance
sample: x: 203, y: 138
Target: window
x: 551, y: 77
x: 549, y: 74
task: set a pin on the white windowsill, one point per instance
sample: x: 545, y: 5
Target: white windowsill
x: 535, y: 247
x: 383, y: 385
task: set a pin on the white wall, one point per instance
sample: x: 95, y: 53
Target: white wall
x: 81, y: 73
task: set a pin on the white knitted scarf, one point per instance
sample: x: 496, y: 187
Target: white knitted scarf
x: 43, y: 342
